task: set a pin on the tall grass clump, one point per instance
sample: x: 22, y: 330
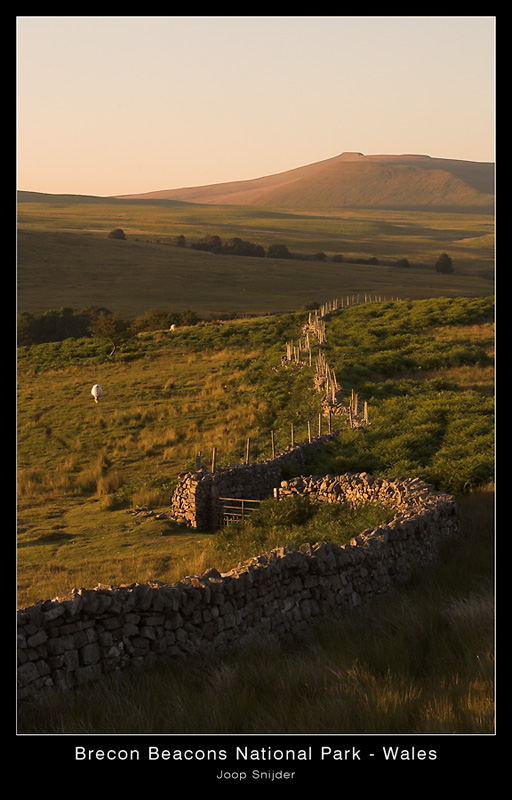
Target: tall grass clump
x: 293, y: 521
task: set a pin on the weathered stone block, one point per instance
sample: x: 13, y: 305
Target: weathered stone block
x: 89, y: 654
x: 37, y: 638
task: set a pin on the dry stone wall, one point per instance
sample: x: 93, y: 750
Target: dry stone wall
x: 65, y: 642
x: 195, y: 499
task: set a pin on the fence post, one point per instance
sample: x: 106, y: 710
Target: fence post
x: 248, y: 451
x: 319, y: 424
x: 309, y: 431
x: 214, y: 459
x: 272, y: 438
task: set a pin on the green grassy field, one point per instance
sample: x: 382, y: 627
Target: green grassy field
x: 425, y: 368
x: 166, y: 398
x: 66, y: 259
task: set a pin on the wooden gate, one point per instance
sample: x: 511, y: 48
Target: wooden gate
x: 233, y: 509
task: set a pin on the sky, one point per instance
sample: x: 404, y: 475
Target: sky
x: 111, y: 105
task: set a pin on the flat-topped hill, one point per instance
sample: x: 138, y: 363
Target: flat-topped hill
x: 356, y: 180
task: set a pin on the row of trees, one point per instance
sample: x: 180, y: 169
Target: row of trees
x: 241, y: 247
x: 65, y: 323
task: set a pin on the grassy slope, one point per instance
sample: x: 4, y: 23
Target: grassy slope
x: 166, y: 398
x: 169, y: 396
x: 65, y: 259
x: 417, y: 661
x: 426, y: 370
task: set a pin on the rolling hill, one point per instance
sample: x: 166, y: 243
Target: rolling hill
x: 357, y: 181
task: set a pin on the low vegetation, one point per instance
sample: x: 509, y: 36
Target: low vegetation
x: 291, y: 522
x: 88, y: 474
x: 94, y: 480
x: 426, y: 370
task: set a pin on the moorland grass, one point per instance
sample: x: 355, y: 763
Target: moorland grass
x: 352, y: 232
x: 425, y: 369
x: 65, y: 258
x: 82, y: 467
x: 85, y: 469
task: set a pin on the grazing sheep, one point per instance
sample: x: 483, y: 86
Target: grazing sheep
x: 96, y: 392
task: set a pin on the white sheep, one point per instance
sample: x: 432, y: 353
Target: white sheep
x: 96, y: 392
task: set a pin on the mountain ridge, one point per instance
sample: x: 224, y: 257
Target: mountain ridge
x: 352, y: 179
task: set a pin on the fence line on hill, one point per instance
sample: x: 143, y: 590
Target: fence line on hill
x: 336, y: 402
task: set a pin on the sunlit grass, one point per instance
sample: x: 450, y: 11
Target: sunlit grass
x: 168, y: 399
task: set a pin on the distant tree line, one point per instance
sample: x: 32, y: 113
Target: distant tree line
x: 239, y: 247
x: 232, y: 247
x: 65, y: 323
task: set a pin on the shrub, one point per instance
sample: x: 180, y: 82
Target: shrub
x: 117, y: 233
x: 278, y: 251
x: 444, y: 263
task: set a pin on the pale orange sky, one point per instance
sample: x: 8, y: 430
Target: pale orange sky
x: 116, y: 105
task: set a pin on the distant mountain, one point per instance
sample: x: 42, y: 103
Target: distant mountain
x: 354, y: 180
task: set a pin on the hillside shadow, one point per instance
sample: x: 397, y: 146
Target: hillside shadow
x: 56, y: 537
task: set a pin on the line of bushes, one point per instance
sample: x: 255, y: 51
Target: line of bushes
x: 240, y: 247
x: 56, y: 325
